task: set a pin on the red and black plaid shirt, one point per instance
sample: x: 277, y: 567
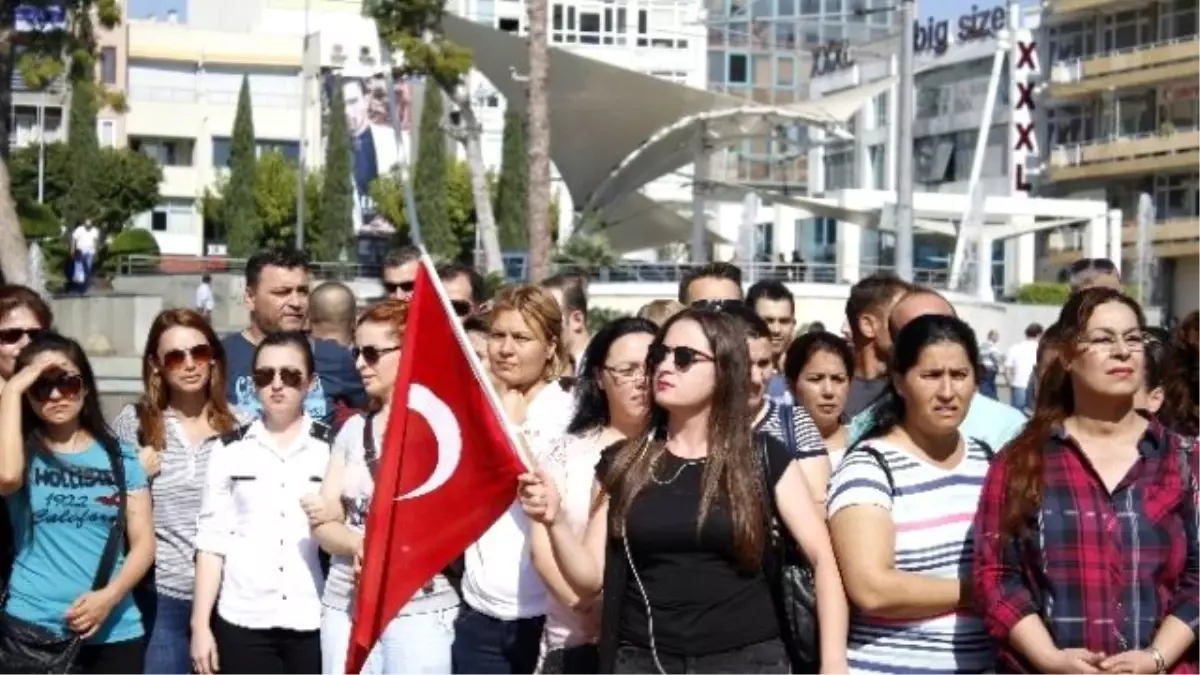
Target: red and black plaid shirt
x: 1101, y: 570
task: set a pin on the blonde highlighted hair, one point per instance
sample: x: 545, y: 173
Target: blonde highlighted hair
x: 540, y: 311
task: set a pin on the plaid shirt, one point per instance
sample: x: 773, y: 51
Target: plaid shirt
x: 1101, y: 570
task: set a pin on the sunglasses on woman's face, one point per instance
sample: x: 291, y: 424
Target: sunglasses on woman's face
x: 11, y: 336
x: 68, y: 385
x: 201, y: 355
x: 684, y: 357
x: 371, y: 354
x: 292, y: 378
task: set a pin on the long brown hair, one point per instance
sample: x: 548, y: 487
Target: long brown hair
x: 154, y: 401
x: 392, y: 313
x: 1055, y: 402
x: 732, y: 473
x: 1180, y: 378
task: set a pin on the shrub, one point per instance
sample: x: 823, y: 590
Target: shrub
x: 133, y: 241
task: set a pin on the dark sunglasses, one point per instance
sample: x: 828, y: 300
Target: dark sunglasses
x: 68, y: 385
x: 684, y: 357
x: 1099, y: 264
x: 293, y: 378
x: 11, y: 336
x: 462, y: 308
x: 371, y: 354
x: 723, y: 305
x: 406, y: 286
x: 201, y: 355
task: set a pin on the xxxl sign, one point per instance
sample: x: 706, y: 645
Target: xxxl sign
x: 1023, y: 70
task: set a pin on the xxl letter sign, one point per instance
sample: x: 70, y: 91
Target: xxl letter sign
x: 1023, y: 62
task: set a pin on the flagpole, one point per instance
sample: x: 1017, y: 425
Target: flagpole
x: 476, y: 366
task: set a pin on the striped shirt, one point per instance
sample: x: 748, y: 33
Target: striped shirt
x: 807, y: 444
x: 177, y: 491
x: 932, y: 509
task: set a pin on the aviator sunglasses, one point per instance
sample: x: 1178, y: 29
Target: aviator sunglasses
x: 11, y: 336
x: 292, y: 378
x: 684, y: 357
x: 201, y: 355
x: 371, y: 354
x: 68, y: 385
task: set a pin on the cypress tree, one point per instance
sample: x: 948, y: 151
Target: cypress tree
x: 83, y: 151
x: 335, y: 226
x: 429, y: 178
x: 511, y: 189
x: 243, y: 227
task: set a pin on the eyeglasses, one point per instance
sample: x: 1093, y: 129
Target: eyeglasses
x: 404, y: 287
x: 293, y: 378
x: 461, y: 307
x: 720, y: 305
x: 627, y: 373
x: 11, y: 336
x: 201, y: 355
x: 371, y: 354
x: 1134, y: 342
x: 68, y: 385
x: 684, y: 357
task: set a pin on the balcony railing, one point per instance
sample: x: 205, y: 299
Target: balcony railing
x: 1125, y: 155
x: 1143, y: 64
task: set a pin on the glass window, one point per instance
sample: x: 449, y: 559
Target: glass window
x: 785, y: 71
x: 739, y: 69
x: 108, y: 65
x: 787, y: 7
x: 810, y: 7
x: 785, y: 35
x: 833, y: 6
x: 716, y: 67
x: 879, y: 106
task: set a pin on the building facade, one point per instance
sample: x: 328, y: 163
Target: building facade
x: 1121, y: 118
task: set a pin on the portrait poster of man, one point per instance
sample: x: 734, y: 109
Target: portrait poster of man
x: 373, y: 145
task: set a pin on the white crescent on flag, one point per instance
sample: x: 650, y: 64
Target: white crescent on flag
x: 446, y: 433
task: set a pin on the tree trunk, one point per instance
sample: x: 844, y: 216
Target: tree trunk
x: 539, y: 143
x: 14, y: 254
x: 485, y: 217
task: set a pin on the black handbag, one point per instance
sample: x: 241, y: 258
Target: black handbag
x: 29, y: 648
x: 793, y: 586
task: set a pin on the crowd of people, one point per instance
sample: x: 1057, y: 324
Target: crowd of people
x: 714, y: 491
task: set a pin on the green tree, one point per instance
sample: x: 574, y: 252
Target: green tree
x: 429, y: 178
x: 336, y: 217
x: 56, y: 174
x: 243, y: 227
x: 275, y: 200
x: 512, y: 185
x: 125, y: 185
x: 388, y: 194
x: 83, y: 151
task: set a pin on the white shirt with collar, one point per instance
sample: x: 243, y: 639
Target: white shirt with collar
x: 508, y: 587
x: 251, y: 516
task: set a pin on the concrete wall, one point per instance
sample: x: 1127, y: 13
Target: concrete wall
x: 120, y: 318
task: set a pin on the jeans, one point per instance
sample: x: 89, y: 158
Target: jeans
x: 483, y: 644
x: 168, y: 651
x: 764, y: 657
x: 417, y: 643
x: 1018, y: 398
x: 987, y: 385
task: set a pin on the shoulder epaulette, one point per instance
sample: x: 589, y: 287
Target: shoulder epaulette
x: 235, y: 435
x: 321, y: 431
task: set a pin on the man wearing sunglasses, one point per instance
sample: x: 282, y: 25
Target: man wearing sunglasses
x: 400, y: 272
x: 277, y: 295
x: 464, y: 287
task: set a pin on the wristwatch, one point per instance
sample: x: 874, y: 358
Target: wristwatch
x: 1160, y: 661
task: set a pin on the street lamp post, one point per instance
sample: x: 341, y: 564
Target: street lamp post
x: 41, y: 121
x: 904, y: 142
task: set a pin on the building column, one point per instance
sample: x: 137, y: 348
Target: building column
x: 1095, y: 237
x: 849, y: 252
x: 983, y: 267
x: 785, y: 231
x: 1020, y: 260
x: 1115, y: 245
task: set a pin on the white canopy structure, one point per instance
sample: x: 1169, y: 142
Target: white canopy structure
x: 614, y: 130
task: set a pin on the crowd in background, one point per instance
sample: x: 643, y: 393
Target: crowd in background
x: 715, y: 491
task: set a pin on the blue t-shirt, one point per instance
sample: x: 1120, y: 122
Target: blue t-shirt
x: 779, y: 391
x: 337, y: 378
x: 72, y: 514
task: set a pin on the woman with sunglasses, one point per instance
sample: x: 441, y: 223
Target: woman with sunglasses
x: 610, y: 406
x: 504, y: 598
x: 62, y: 474
x: 418, y: 639
x: 177, y: 424
x: 254, y: 548
x: 23, y: 314
x: 677, y: 538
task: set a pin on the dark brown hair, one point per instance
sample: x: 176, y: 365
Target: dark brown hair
x: 14, y: 296
x: 1055, y: 402
x: 151, y: 426
x: 732, y: 473
x: 1180, y: 382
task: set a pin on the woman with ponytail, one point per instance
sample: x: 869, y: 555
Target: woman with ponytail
x: 1085, y: 539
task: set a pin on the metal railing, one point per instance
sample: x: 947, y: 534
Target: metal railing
x: 624, y: 272
x: 1073, y: 154
x: 1072, y: 71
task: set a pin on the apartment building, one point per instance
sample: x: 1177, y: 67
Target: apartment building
x: 183, y: 84
x: 1121, y: 118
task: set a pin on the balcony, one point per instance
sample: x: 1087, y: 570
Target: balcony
x: 1146, y: 65
x: 1061, y: 8
x: 1175, y: 238
x: 1125, y: 156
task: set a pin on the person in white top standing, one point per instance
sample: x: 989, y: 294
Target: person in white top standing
x: 1020, y: 362
x: 611, y: 403
x: 254, y: 548
x: 204, y: 297
x: 500, y: 625
x: 84, y: 240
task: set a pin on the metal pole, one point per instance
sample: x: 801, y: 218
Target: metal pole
x: 300, y: 169
x: 42, y: 147
x: 904, y: 149
x: 699, y: 197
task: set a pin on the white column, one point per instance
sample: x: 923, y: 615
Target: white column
x: 1095, y: 237
x: 849, y: 252
x: 983, y: 267
x: 1114, y: 238
x: 785, y: 231
x: 1020, y: 259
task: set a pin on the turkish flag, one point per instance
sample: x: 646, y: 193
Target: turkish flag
x: 448, y: 467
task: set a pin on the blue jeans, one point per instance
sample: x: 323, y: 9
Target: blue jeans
x: 987, y: 386
x: 483, y: 644
x: 168, y: 651
x: 412, y: 643
x: 1018, y: 398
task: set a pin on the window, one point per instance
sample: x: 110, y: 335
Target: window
x: 108, y: 65
x: 1177, y: 20
x: 1067, y: 125
x: 839, y: 170
x: 173, y: 216
x: 879, y: 107
x: 1176, y: 196
x: 589, y: 28
x: 509, y: 25
x: 221, y: 148
x: 878, y: 175
x: 810, y: 7
x: 165, y: 151
x: 739, y: 69
x: 716, y: 67
x: 785, y: 35
x: 1071, y: 41
x: 106, y: 132
x: 167, y: 82
x: 1125, y: 30
x: 785, y: 71
x: 787, y: 7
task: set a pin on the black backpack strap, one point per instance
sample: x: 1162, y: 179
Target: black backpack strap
x: 879, y: 459
x: 370, y: 452
x: 985, y: 446
x: 787, y: 421
x: 116, y: 535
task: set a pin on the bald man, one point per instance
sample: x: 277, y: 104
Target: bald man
x: 331, y: 313
x: 987, y: 419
